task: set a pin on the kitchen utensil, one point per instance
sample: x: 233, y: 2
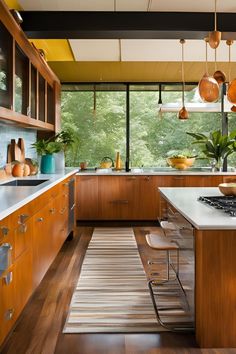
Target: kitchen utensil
x: 21, y: 145
x: 15, y: 151
x: 208, y: 87
x: 183, y: 113
x: 214, y: 36
x: 218, y: 75
x: 106, y: 162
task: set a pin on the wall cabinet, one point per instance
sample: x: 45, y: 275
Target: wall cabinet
x: 36, y: 233
x: 29, y: 90
x: 130, y: 197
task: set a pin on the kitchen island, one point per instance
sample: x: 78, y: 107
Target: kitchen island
x: 215, y: 265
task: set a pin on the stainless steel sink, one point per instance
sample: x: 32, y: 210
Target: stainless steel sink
x: 24, y: 182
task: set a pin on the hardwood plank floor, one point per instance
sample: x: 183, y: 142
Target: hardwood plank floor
x: 39, y: 328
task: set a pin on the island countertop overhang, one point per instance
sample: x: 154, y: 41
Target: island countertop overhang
x: 201, y: 216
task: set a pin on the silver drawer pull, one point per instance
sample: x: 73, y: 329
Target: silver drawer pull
x: 8, y: 278
x: 9, y: 314
x: 4, y: 230
x: 5, y: 256
x: 22, y: 218
x: 73, y: 207
x: 52, y: 210
x: 40, y: 219
x: 66, y: 184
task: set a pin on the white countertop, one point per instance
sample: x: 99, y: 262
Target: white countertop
x: 13, y: 198
x: 154, y: 171
x: 200, y: 215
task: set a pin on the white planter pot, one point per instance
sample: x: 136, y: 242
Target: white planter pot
x: 60, y: 161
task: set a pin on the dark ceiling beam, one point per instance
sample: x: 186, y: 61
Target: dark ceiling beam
x: 125, y: 25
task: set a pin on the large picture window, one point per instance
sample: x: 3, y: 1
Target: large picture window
x: 98, y: 115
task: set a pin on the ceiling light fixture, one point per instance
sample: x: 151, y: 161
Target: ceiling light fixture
x: 214, y: 36
x: 208, y: 87
x: 183, y: 113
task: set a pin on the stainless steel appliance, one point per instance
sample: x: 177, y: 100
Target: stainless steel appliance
x: 225, y: 203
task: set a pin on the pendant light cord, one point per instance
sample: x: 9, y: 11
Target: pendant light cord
x: 182, y: 41
x: 206, y: 41
x: 215, y: 59
x: 215, y: 24
x: 228, y: 42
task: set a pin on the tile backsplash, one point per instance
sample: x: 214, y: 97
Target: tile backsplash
x: 8, y: 132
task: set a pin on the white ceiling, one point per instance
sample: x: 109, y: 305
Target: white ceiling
x: 130, y: 5
x: 147, y: 50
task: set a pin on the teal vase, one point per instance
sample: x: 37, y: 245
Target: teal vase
x: 47, y: 164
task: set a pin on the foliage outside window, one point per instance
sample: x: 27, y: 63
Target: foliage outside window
x: 153, y: 136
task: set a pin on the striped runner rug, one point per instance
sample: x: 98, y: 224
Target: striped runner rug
x: 112, y: 295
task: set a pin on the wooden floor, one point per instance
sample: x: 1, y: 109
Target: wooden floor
x: 39, y: 329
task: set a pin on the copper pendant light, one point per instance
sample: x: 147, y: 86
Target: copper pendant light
x: 183, y: 113
x: 214, y: 36
x: 208, y: 87
x: 231, y: 93
x: 219, y: 75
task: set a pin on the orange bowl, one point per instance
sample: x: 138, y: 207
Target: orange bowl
x: 181, y: 163
x: 227, y: 188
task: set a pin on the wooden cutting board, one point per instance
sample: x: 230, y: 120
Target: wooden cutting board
x: 21, y: 145
x: 16, y: 151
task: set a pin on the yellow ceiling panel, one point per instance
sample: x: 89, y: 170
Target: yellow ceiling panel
x: 13, y: 4
x: 132, y: 71
x: 55, y: 49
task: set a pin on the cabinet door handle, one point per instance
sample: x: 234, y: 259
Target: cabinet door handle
x: 9, y: 314
x: 66, y: 184
x: 52, y: 210
x: 147, y: 178
x: 4, y: 230
x: 62, y: 210
x: 23, y: 228
x: 73, y: 207
x: 22, y: 218
x: 8, y: 278
x: 178, y: 177
x: 131, y: 177
x: 40, y: 219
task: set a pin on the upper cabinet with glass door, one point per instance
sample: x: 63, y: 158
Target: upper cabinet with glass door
x: 29, y: 90
x: 6, y: 54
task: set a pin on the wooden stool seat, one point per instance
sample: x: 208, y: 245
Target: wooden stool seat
x: 159, y: 242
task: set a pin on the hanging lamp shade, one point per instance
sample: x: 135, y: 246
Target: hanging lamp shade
x: 183, y: 113
x: 214, y: 36
x: 208, y: 87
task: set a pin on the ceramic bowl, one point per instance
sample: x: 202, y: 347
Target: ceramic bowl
x: 181, y: 163
x: 227, y: 188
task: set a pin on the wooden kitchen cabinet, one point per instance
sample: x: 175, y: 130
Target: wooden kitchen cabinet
x: 87, y: 197
x: 29, y: 90
x: 130, y: 197
x: 118, y: 197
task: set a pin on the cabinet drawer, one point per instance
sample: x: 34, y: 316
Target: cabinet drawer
x: 7, y: 306
x: 23, y: 235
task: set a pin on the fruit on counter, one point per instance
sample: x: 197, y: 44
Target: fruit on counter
x: 33, y: 165
x: 20, y: 169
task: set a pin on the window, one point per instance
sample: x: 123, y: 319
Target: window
x: 154, y: 133
x: 99, y: 123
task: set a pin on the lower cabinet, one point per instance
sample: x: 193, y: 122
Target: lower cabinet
x: 33, y: 235
x: 129, y: 197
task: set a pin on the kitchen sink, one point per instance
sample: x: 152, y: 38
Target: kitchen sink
x: 24, y: 182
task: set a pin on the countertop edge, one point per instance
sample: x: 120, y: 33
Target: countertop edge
x: 37, y: 191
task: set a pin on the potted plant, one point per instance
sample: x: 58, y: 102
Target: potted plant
x: 215, y: 145
x: 46, y: 149
x: 50, y: 148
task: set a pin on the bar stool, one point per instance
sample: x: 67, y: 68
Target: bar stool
x: 160, y: 242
